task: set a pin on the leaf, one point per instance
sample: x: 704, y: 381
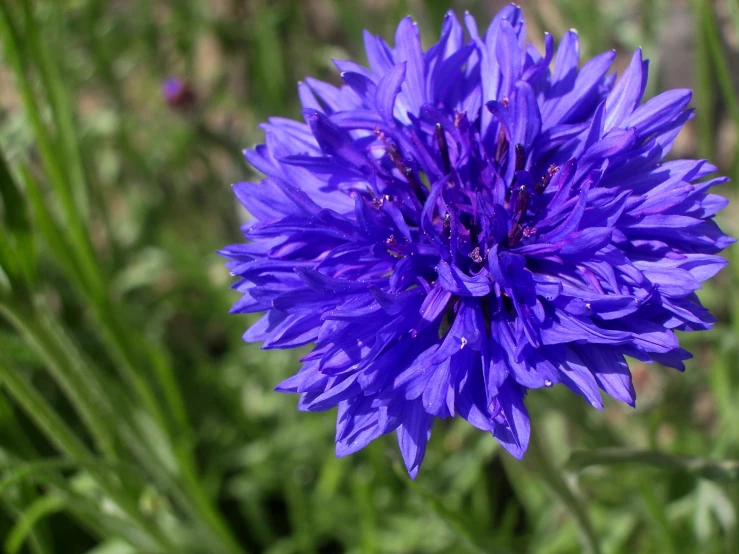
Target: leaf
x: 711, y: 500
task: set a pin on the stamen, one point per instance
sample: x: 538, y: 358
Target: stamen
x: 475, y: 255
x: 515, y: 235
x: 391, y: 242
x: 542, y: 185
x: 443, y: 148
x: 508, y: 304
x: 502, y: 149
x: 485, y: 305
x: 395, y: 157
x: 447, y: 224
x: 405, y: 170
x: 520, y: 157
x: 415, y: 184
x: 522, y: 201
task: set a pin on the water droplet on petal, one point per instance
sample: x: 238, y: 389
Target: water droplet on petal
x: 548, y: 383
x: 464, y: 342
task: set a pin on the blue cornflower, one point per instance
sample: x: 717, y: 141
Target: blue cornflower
x: 177, y: 93
x: 453, y: 227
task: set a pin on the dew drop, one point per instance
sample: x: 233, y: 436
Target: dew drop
x: 548, y: 383
x: 232, y: 274
x: 464, y: 342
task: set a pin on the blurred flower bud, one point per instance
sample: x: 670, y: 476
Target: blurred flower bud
x: 177, y: 93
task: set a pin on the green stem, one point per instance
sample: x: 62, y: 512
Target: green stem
x: 704, y: 86
x: 38, y: 539
x: 67, y: 442
x: 119, y: 341
x: 202, y: 503
x: 129, y: 355
x: 38, y: 409
x: 540, y: 462
x: 78, y: 383
x: 23, y: 531
x: 708, y: 468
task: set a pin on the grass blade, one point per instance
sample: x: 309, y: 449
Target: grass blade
x: 42, y: 507
x: 17, y: 222
x: 61, y: 110
x: 17, y: 55
x: 57, y: 431
x: 79, y: 384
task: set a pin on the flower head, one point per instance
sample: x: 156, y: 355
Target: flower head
x: 453, y: 227
x: 177, y: 93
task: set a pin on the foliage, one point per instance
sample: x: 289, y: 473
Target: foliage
x: 133, y: 418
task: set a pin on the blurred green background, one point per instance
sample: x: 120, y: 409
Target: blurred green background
x: 132, y: 417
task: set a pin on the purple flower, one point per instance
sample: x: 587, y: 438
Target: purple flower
x: 454, y: 227
x: 177, y: 93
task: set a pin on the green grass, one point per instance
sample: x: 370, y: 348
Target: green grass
x: 133, y: 419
